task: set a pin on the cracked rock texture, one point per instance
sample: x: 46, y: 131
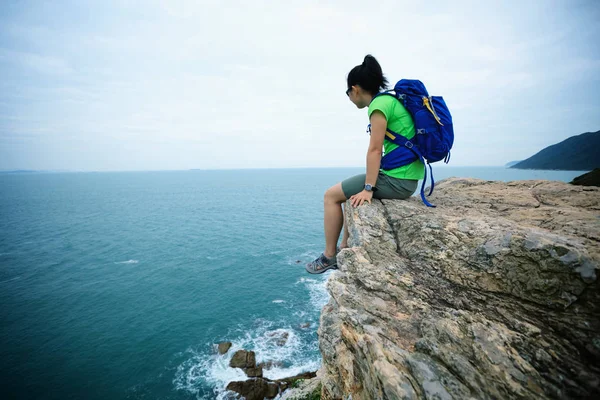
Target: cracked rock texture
x: 492, y: 295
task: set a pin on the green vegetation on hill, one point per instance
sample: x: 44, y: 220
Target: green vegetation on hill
x: 577, y: 153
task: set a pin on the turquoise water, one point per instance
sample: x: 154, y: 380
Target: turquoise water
x: 118, y: 285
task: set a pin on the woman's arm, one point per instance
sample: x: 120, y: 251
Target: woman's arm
x: 378, y: 127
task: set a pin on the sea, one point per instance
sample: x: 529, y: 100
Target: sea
x: 119, y: 285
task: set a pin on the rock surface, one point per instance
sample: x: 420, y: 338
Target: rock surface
x: 309, y: 389
x: 256, y: 372
x: 224, y: 347
x: 243, y: 359
x: 592, y: 178
x: 264, y: 388
x: 254, y: 389
x: 285, y: 383
x: 491, y: 295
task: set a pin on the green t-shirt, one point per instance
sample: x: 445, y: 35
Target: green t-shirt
x: 400, y: 121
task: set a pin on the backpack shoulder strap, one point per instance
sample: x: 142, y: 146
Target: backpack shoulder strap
x: 386, y: 93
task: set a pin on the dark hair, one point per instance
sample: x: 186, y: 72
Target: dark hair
x: 368, y: 76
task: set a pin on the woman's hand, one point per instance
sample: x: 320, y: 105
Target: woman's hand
x: 360, y: 198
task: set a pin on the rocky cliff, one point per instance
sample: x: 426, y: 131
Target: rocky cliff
x: 492, y: 295
x: 591, y: 178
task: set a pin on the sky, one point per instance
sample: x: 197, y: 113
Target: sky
x: 111, y: 85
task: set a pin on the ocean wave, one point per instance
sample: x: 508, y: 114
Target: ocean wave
x: 10, y: 280
x: 317, y: 290
x: 290, y: 351
x: 203, y: 370
x: 128, y: 262
x: 300, y: 314
x: 289, y: 344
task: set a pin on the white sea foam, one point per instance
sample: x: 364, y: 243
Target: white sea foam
x: 280, y: 373
x: 317, y: 290
x: 281, y: 345
x: 292, y: 348
x: 300, y: 314
x: 207, y: 370
x: 304, y: 280
x: 128, y: 262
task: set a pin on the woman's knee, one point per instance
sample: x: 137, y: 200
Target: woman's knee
x: 335, y: 194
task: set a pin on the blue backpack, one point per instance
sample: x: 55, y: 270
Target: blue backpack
x: 433, y: 127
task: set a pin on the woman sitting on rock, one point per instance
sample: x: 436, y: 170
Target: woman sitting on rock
x: 364, y: 82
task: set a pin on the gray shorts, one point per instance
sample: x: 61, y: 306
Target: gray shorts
x: 387, y: 187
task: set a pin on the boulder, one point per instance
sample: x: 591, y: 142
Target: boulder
x: 256, y: 372
x: 254, y: 389
x: 224, y: 347
x: 272, y: 390
x: 280, y: 336
x: 281, y: 341
x: 491, y: 295
x: 243, y: 359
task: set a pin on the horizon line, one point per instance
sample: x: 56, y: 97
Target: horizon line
x: 210, y: 169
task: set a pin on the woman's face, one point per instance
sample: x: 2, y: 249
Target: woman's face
x: 357, y: 96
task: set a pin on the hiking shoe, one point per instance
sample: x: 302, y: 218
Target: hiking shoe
x: 321, y: 264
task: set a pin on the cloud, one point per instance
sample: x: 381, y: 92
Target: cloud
x: 39, y: 63
x: 207, y: 84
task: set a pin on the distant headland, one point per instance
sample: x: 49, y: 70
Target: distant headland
x: 577, y: 153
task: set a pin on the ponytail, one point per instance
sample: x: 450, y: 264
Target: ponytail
x: 368, y: 76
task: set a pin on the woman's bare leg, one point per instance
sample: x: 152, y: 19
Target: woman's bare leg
x: 333, y: 217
